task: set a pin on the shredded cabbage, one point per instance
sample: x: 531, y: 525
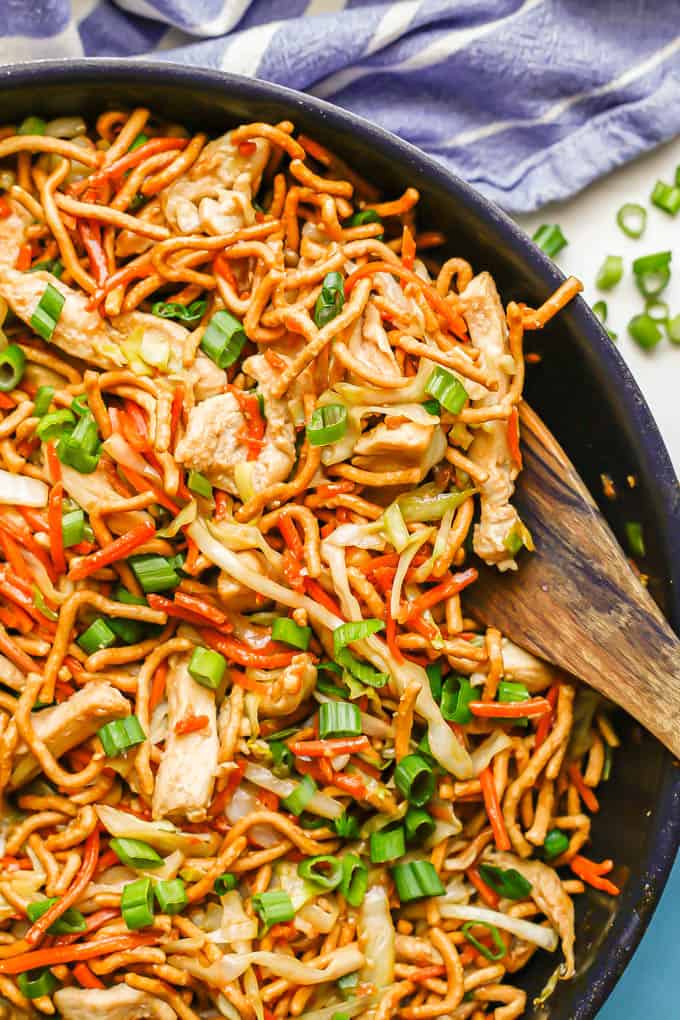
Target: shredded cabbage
x: 537, y: 934
x: 484, y: 754
x: 320, y: 804
x: 21, y: 490
x: 376, y: 934
x: 162, y: 836
x: 345, y: 961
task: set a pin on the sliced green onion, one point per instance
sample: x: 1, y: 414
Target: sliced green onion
x: 297, y: 801
x: 652, y: 263
x: 136, y: 904
x: 224, y: 339
x: 282, y: 757
x: 362, y: 217
x: 666, y: 196
x: 555, y: 843
x: 418, y: 825
x: 362, y: 671
x: 171, y: 895
x: 347, y: 826
x: 610, y: 272
x: 486, y: 952
x: 46, y: 315
x: 199, y: 484
x: 141, y: 139
x: 426, y: 505
x: 73, y: 528
x: 354, y: 880
x: 324, y: 870
x: 154, y: 573
x: 415, y: 880
x: 432, y: 406
x: 53, y: 266
x: 80, y: 406
x: 347, y: 983
x: 414, y: 779
x: 97, y: 636
x: 71, y: 921
x: 636, y: 541
x: 339, y: 719
x: 600, y: 309
x: 645, y: 331
x: 34, y: 984
x: 128, y: 631
x: 327, y: 424
x: 550, y: 239
x: 331, y: 299
x: 651, y: 284
x: 673, y: 329
x: 511, y: 691
x: 632, y: 219
x: 395, y: 529
x: 12, y: 367
x: 39, y: 603
x: 387, y: 845
x: 608, y: 760
x: 190, y: 314
x: 457, y: 693
x: 207, y: 667
x: 447, y: 389
x: 80, y: 449
x: 224, y: 883
x: 434, y: 676
x: 506, y: 882
x: 331, y: 689
x: 355, y: 630
x: 52, y: 425
x: 291, y: 633
x: 338, y: 1015
x: 43, y: 399
x: 135, y: 854
x: 32, y: 126
x: 120, y: 735
x: 274, y: 907
x: 657, y: 310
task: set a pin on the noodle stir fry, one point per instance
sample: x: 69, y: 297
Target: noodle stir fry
x: 256, y: 760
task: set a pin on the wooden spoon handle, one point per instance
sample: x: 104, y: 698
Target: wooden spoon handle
x: 576, y: 602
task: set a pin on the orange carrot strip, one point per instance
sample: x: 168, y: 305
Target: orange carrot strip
x: 268, y: 799
x: 448, y: 587
x: 391, y: 629
x: 69, y: 954
x: 489, y: 895
x: 142, y: 484
x: 545, y: 722
x: 199, y: 607
x: 290, y: 535
x: 119, y: 549
x: 90, y: 234
x: 330, y: 748
x: 5, y: 208
x: 130, y: 159
x: 591, y: 872
x: 493, y: 809
x: 585, y: 793
x: 315, y: 591
x: 85, y: 977
x: 531, y: 709
x: 53, y: 463
x: 190, y: 724
x: 24, y: 258
x: 158, y: 685
x: 54, y: 515
x: 13, y: 555
x: 221, y: 504
x: 435, y: 300
x: 408, y: 248
x: 513, y: 438
x: 271, y: 656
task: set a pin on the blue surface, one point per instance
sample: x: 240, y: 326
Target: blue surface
x: 650, y: 987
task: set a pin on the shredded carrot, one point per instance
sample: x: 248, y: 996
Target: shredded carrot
x: 24, y: 258
x: 190, y: 724
x: 142, y: 484
x: 408, y: 248
x: 158, y: 685
x: 493, y: 809
x: 221, y: 504
x: 489, y: 895
x: 53, y: 463
x: 199, y: 616
x: 513, y: 438
x: 90, y: 234
x: 85, y: 977
x: 268, y: 799
x: 391, y: 629
x: 69, y: 954
x: 54, y: 517
x: 451, y: 585
x: 290, y: 535
x: 330, y: 748
x: 315, y: 591
x: 16, y: 619
x: 591, y: 872
x: 200, y: 607
x: 530, y: 709
x: 271, y: 656
x: 222, y: 268
x: 255, y: 425
x: 585, y: 793
x: 176, y: 412
x: 6, y: 402
x: 12, y: 554
x: 5, y: 208
x: 224, y: 796
x: 545, y: 722
x: 119, y: 549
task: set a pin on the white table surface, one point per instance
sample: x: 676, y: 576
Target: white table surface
x: 650, y: 986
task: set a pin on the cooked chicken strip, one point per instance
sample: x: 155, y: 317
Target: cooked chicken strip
x: 485, y: 319
x: 186, y: 773
x: 66, y: 725
x: 518, y: 664
x: 286, y: 693
x: 120, y: 1002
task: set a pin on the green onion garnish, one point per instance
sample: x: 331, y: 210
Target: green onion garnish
x: 550, y: 239
x: 46, y: 315
x: 171, y: 895
x: 190, y: 314
x: 414, y: 779
x: 136, y: 904
x: 645, y: 331
x: 53, y: 424
x: 362, y: 671
x: 386, y: 845
x: 457, y: 693
x: 362, y: 217
x: 32, y: 126
x: 291, y: 633
x: 652, y: 263
x: 418, y: 825
x: 434, y: 675
x: 325, y: 871
x: 636, y: 541
x: 80, y: 406
x: 12, y: 367
x: 331, y: 299
x: 224, y: 883
x: 673, y: 329
x: 415, y: 880
x: 355, y: 630
x: 141, y: 139
x: 632, y: 219
x: 354, y: 880
x: 36, y: 983
x: 71, y: 921
x: 282, y: 758
x: 666, y: 196
x: 274, y: 907
x: 297, y: 801
x: 223, y: 339
x: 128, y: 631
x: 97, y: 636
x: 506, y: 882
x: 154, y: 573
x: 135, y: 854
x: 610, y: 272
x: 447, y: 389
x: 327, y: 424
x: 651, y: 284
x: 80, y: 449
x: 556, y: 842
x: 120, y: 735
x: 339, y: 719
x: 485, y: 951
x: 207, y: 667
x: 600, y: 309
x: 346, y: 826
x: 43, y: 399
x: 657, y: 310
x: 199, y: 484
x: 73, y: 527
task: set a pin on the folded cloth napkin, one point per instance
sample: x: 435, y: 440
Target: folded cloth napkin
x: 528, y: 100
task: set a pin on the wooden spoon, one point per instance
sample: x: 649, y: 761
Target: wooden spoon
x: 575, y: 601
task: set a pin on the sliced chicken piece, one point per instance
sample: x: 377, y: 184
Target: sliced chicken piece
x: 485, y: 319
x: 215, y: 197
x: 69, y: 724
x: 548, y: 895
x: 186, y: 773
x: 93, y: 490
x: 408, y: 445
x: 518, y: 664
x: 289, y: 689
x: 10, y: 675
x: 214, y: 439
x: 369, y: 345
x: 119, y: 1002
